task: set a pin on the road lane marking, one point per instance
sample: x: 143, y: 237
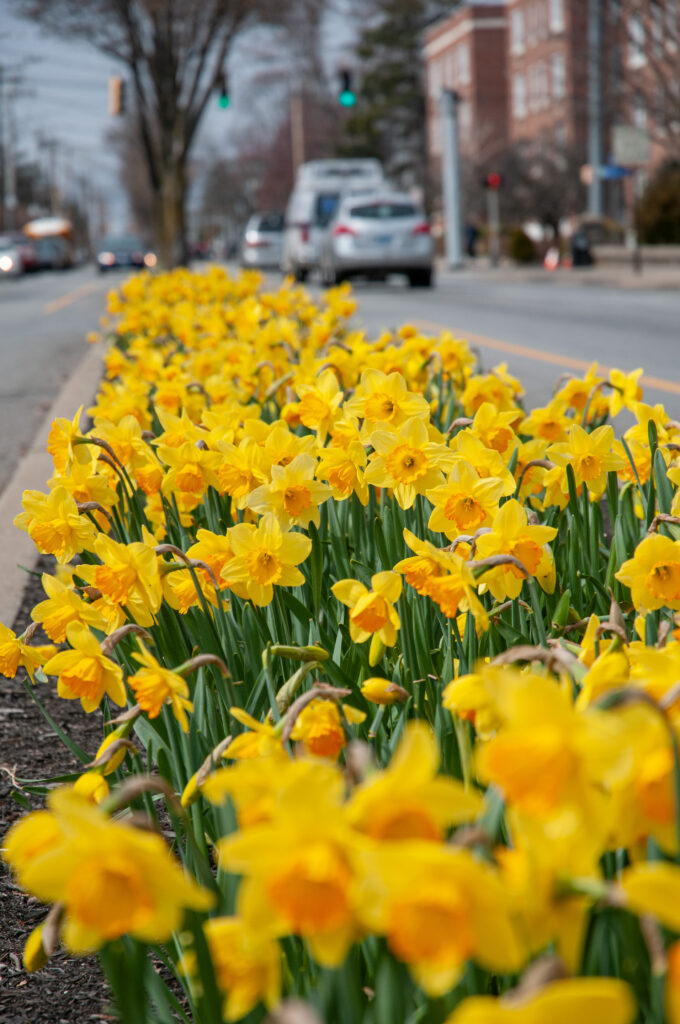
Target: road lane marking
x: 65, y: 300
x: 560, y: 360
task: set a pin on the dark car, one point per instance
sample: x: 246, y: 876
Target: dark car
x: 124, y: 251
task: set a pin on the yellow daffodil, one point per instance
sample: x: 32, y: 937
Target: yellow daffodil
x: 626, y: 390
x: 590, y: 455
x: 409, y: 800
x: 438, y: 907
x: 153, y: 685
x: 61, y: 442
x: 15, y: 653
x: 512, y: 534
x: 320, y: 727
x: 247, y: 964
x: 300, y: 861
x: 54, y: 524
x: 128, y: 577
x: 265, y: 556
x: 343, y: 468
x: 385, y: 398
x: 495, y: 428
x: 407, y: 461
x: 85, y: 673
x: 588, y: 1000
x: 465, y: 502
x: 292, y: 494
x: 653, y: 574
x: 372, y: 612
x: 112, y: 878
x: 320, y: 402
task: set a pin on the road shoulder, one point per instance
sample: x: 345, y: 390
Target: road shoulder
x: 32, y: 473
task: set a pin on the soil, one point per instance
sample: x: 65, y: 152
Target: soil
x: 67, y: 990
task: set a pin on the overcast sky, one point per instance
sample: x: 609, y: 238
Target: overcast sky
x: 61, y: 94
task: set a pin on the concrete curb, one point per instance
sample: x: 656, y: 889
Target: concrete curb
x: 32, y: 473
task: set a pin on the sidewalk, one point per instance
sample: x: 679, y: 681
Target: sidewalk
x: 32, y: 473
x: 654, y: 277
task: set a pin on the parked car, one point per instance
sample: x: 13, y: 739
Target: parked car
x: 26, y: 247
x: 319, y: 187
x: 52, y: 254
x: 124, y: 251
x: 10, y: 258
x: 385, y: 233
x: 262, y: 244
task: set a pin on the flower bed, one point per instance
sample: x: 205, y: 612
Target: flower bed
x: 388, y: 670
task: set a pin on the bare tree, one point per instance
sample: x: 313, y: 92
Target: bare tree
x: 175, y: 53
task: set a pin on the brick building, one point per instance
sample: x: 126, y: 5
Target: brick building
x: 467, y: 52
x: 526, y: 76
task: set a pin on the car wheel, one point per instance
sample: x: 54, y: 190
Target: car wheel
x: 420, y: 278
x: 300, y: 274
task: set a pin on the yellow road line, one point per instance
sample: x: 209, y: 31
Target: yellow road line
x: 560, y: 360
x: 65, y: 300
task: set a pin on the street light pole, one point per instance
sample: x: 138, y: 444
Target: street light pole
x: 451, y: 173
x: 595, y: 105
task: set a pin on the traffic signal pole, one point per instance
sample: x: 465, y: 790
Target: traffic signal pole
x: 448, y: 102
x: 493, y: 221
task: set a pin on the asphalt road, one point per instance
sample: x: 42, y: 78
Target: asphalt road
x: 43, y: 322
x: 540, y: 329
x: 545, y: 329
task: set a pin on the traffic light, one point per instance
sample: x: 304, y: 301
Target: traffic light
x: 223, y: 99
x: 346, y: 96
x: 493, y: 180
x: 116, y: 96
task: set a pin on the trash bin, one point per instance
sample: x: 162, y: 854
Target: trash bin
x: 581, y: 253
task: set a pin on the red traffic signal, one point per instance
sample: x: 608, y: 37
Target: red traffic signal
x: 493, y: 180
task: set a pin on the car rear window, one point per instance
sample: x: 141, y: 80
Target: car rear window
x: 383, y: 211
x: 271, y: 222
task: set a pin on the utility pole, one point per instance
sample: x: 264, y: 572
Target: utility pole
x: 9, y: 191
x: 448, y: 102
x: 297, y: 128
x: 595, y: 105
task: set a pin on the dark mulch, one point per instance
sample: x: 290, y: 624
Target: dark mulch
x: 67, y: 990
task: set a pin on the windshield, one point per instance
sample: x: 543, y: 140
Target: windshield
x: 122, y: 242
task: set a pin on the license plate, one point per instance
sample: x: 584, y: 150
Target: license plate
x: 383, y: 239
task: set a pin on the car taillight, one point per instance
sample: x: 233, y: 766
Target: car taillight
x: 421, y: 229
x: 343, y: 229
x: 304, y: 232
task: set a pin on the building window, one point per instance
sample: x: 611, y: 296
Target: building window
x: 519, y: 95
x: 464, y: 63
x: 517, y: 32
x: 561, y: 135
x: 559, y: 76
x: 435, y: 78
x: 557, y: 15
x: 636, y: 42
x: 640, y: 116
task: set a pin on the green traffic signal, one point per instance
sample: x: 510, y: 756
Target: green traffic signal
x: 223, y: 101
x: 347, y: 96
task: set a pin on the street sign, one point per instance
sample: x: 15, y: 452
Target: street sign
x: 631, y: 145
x: 613, y: 172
